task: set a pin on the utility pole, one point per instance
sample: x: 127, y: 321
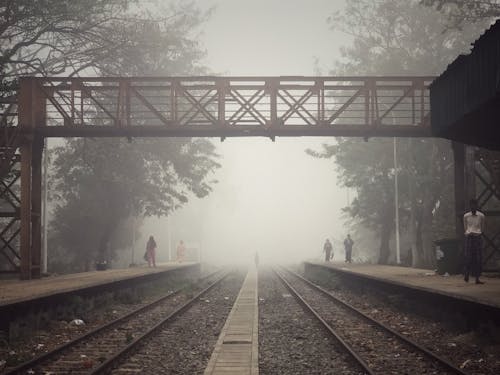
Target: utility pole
x: 132, y: 263
x: 396, y: 202
x: 44, y: 211
x: 169, y: 239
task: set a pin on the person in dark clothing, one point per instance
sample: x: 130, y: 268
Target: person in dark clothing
x: 151, y: 252
x: 473, y: 226
x: 348, y: 242
x: 328, y: 250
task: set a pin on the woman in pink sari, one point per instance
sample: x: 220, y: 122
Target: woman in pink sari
x: 151, y: 251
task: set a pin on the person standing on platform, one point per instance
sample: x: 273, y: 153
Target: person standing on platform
x: 256, y: 259
x: 151, y: 252
x: 348, y: 242
x: 181, y: 250
x: 473, y: 225
x: 328, y: 250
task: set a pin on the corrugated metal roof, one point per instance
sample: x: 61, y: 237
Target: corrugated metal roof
x: 468, y: 85
x: 492, y: 31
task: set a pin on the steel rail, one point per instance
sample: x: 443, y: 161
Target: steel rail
x: 388, y: 329
x: 108, y: 365
x: 325, y: 325
x: 49, y: 355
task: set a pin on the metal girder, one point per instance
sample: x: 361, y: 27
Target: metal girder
x: 477, y: 174
x: 10, y: 200
x: 486, y: 180
x: 184, y: 107
x: 233, y: 106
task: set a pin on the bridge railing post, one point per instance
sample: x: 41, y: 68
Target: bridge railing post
x: 272, y: 88
x: 221, y: 85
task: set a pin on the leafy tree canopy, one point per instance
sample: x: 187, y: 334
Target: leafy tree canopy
x: 70, y: 37
x: 463, y: 12
x: 96, y: 185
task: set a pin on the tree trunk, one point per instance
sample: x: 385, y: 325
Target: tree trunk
x: 429, y: 259
x: 419, y: 255
x: 103, y: 250
x: 86, y: 267
x: 412, y: 224
x: 415, y: 256
x: 385, y: 236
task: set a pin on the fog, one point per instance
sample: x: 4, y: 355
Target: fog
x: 271, y: 197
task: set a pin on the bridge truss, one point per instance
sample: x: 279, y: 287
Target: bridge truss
x: 184, y: 107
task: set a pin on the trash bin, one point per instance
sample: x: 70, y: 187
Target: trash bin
x: 101, y: 266
x: 448, y: 256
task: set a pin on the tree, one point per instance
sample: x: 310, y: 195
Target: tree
x: 51, y: 37
x: 99, y: 184
x: 395, y: 38
x: 462, y: 12
x: 372, y: 178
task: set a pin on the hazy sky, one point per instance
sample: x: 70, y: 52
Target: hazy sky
x: 271, y: 197
x: 270, y: 37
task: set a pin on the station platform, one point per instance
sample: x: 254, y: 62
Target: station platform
x: 453, y: 286
x: 13, y: 292
x: 237, y: 349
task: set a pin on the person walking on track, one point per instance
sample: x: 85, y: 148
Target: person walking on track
x: 328, y: 250
x: 473, y: 225
x: 151, y: 252
x: 348, y: 242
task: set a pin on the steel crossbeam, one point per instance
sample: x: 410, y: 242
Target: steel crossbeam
x: 477, y: 175
x: 10, y: 201
x: 485, y: 180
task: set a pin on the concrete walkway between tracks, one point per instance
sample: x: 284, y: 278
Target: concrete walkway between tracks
x: 237, y: 349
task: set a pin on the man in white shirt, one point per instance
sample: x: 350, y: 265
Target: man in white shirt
x: 473, y: 226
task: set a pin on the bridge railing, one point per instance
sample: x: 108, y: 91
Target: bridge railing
x: 204, y: 106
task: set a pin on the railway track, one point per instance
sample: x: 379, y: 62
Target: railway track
x: 107, y: 344
x: 291, y: 340
x: 377, y: 348
x: 185, y: 345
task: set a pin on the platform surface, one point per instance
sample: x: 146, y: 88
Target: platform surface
x: 13, y: 291
x: 454, y: 286
x: 236, y: 351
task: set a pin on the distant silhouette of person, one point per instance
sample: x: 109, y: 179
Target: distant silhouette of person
x: 256, y: 259
x: 328, y: 250
x: 181, y: 250
x: 151, y: 252
x: 473, y: 227
x: 348, y: 242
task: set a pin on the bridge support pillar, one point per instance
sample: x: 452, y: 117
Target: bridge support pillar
x: 36, y: 207
x: 25, y: 236
x: 31, y: 114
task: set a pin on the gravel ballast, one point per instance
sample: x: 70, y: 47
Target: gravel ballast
x: 473, y: 352
x: 185, y: 345
x: 383, y: 352
x: 291, y: 341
